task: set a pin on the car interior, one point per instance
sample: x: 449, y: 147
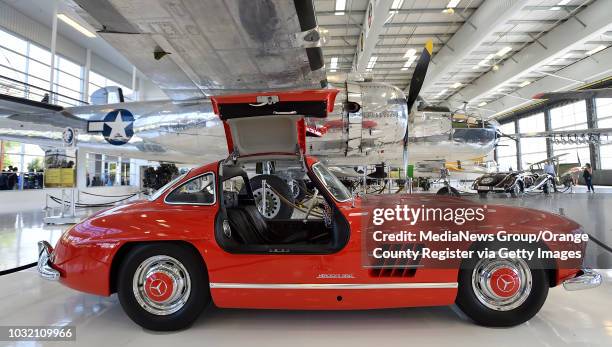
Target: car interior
x: 315, y: 226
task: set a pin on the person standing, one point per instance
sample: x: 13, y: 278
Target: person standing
x: 587, y: 173
x: 549, y: 168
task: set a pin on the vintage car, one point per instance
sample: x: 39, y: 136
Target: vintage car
x: 201, y: 239
x: 514, y: 182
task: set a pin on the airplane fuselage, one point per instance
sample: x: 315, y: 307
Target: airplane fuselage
x: 189, y: 132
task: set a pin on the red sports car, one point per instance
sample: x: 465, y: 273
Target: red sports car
x: 203, y: 239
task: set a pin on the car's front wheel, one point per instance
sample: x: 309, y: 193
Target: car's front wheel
x: 163, y: 286
x: 501, y: 292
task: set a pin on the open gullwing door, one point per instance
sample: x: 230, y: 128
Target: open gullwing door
x: 270, y: 123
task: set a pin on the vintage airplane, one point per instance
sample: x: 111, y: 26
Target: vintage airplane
x: 193, y: 50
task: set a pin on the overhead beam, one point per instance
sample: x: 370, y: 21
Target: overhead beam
x: 485, y: 20
x: 400, y: 11
x: 589, y: 24
x: 373, y: 25
x: 589, y: 70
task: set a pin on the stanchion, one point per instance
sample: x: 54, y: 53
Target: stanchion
x: 68, y: 210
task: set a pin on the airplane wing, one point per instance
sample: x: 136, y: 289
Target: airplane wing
x: 544, y: 161
x: 38, y: 114
x: 575, y: 94
x: 195, y: 48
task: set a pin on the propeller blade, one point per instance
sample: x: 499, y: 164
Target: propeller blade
x: 418, y: 77
x: 413, y: 92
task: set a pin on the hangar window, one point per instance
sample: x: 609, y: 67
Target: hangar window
x: 506, y: 151
x: 532, y: 149
x: 604, y: 120
x: 570, y: 117
x: 197, y: 191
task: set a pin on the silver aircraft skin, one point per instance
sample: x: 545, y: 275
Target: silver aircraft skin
x: 189, y: 132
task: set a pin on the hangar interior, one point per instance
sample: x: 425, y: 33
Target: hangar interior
x: 489, y: 61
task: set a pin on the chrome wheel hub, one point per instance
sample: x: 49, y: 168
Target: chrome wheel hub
x: 161, y: 285
x: 501, y: 284
x: 272, y: 205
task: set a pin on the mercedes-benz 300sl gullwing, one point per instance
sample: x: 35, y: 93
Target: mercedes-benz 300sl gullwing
x: 212, y: 236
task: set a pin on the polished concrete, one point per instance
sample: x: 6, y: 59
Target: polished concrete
x: 567, y: 319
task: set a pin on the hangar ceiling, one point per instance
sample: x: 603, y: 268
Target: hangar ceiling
x: 487, y: 53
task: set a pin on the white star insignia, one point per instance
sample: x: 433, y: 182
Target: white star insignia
x: 118, y: 127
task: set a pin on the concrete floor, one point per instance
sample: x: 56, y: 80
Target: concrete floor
x: 567, y: 318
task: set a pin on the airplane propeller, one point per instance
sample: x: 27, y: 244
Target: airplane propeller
x: 416, y: 83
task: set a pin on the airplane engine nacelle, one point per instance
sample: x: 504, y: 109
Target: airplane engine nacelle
x: 366, y: 117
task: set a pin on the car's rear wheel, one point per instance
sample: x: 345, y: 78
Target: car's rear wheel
x: 501, y: 292
x: 163, y: 286
x: 483, y: 194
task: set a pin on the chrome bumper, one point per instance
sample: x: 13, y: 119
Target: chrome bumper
x: 44, y: 269
x: 588, y: 279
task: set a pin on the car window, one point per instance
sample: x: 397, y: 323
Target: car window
x: 199, y: 190
x: 234, y: 184
x: 331, y: 182
x: 161, y: 190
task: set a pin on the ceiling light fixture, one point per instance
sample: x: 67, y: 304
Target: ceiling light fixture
x: 596, y: 49
x: 372, y: 62
x: 340, y: 7
x: 484, y: 103
x: 410, y: 53
x: 443, y: 91
x: 396, y: 5
x: 525, y: 83
x: 75, y: 25
x: 503, y: 51
x: 410, y: 61
x: 453, y: 3
x: 484, y: 62
x: 457, y: 85
x: 334, y: 62
x: 560, y: 3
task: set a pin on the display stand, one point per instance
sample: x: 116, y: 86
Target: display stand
x: 69, y: 191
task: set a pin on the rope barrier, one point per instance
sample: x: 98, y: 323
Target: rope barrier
x: 83, y: 205
x: 113, y: 196
x: 18, y: 268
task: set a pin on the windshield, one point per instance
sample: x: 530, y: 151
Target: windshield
x: 331, y: 182
x: 161, y: 190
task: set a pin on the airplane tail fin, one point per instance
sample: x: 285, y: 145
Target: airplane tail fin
x: 107, y: 95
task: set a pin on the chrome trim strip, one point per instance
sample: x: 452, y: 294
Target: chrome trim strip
x: 448, y: 285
